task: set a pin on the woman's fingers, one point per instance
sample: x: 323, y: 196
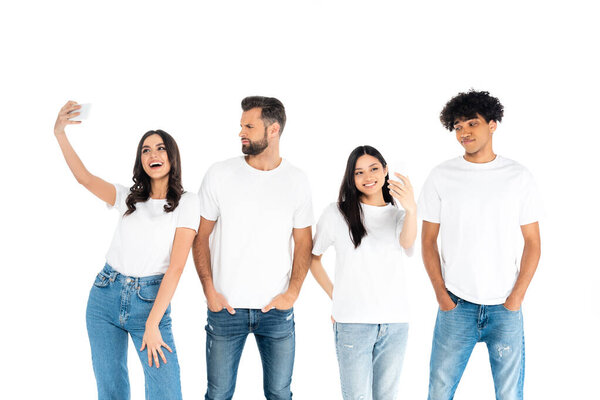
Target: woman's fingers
x: 152, y: 356
x: 166, y: 346
x: 70, y: 111
x: 71, y: 115
x: 70, y: 106
x: 403, y: 178
x: 162, y: 355
x: 69, y: 103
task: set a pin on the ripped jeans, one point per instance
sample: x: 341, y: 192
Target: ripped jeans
x: 456, y: 333
x: 370, y: 357
x: 225, y: 338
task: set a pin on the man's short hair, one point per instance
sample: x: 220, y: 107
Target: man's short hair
x: 272, y: 110
x: 468, y: 105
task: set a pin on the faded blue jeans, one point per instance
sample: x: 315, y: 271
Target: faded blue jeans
x: 118, y: 306
x: 370, y: 357
x: 225, y: 338
x: 455, y: 335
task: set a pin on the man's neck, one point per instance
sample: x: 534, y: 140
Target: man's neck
x: 480, y: 157
x: 265, y: 161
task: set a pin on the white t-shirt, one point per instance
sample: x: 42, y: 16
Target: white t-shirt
x: 480, y: 209
x: 369, y: 284
x: 143, y: 240
x: 251, y: 244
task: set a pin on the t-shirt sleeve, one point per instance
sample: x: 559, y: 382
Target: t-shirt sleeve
x: 209, y: 205
x: 121, y: 196
x: 430, y: 203
x: 189, y: 211
x: 303, y: 214
x: 324, y: 233
x: 531, y: 209
x: 399, y: 226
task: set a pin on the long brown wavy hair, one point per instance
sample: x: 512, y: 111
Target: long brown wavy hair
x: 140, y: 191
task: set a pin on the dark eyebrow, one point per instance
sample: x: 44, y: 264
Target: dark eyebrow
x: 465, y: 121
x: 147, y: 147
x: 375, y: 163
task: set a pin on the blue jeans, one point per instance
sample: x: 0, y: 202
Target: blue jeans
x: 370, y: 357
x: 118, y: 306
x: 225, y: 338
x: 456, y: 333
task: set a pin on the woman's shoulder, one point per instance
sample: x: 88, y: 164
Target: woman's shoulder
x: 331, y: 213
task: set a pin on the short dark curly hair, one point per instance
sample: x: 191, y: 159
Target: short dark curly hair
x: 468, y: 105
x: 272, y: 110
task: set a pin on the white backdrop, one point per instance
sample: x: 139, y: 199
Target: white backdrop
x: 349, y: 74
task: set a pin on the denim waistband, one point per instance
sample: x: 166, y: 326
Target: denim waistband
x: 113, y: 275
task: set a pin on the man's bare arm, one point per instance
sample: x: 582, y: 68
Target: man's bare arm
x: 529, y: 263
x: 201, y: 252
x: 300, y: 265
x: 431, y: 259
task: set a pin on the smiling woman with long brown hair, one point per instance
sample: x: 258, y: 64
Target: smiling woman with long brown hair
x: 150, y: 246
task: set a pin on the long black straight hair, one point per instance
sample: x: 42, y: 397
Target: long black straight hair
x: 349, y: 198
x: 140, y: 191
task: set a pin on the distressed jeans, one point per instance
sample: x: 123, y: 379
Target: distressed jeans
x: 370, y: 357
x: 455, y: 335
x: 225, y: 338
x: 117, y: 308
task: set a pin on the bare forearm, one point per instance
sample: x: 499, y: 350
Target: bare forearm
x: 320, y: 275
x: 201, y: 254
x: 300, y: 266
x: 529, y: 263
x: 165, y: 294
x: 431, y: 259
x: 75, y: 164
x: 409, y: 230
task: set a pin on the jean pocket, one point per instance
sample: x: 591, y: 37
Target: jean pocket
x: 512, y: 311
x: 456, y: 304
x: 211, y: 312
x: 283, y: 311
x: 101, y: 280
x: 148, y: 292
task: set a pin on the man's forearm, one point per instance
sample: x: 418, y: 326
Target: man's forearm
x: 201, y: 254
x: 431, y: 259
x: 300, y: 266
x: 529, y: 263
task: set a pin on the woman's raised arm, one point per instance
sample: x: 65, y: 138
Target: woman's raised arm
x: 99, y: 187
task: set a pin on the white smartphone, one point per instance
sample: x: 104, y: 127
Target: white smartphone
x: 84, y: 112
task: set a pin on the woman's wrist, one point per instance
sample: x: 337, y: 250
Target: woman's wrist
x: 150, y: 324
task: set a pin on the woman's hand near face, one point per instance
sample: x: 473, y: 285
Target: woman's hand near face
x: 153, y: 341
x: 65, y: 114
x: 403, y: 192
